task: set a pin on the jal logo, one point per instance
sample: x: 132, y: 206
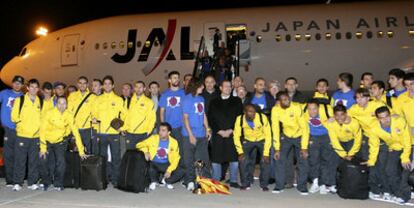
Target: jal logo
x: 199, y: 108
x: 173, y: 101
x: 164, y: 39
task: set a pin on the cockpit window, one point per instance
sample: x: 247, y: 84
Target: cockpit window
x: 23, y: 52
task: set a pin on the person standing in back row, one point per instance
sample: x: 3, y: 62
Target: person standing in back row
x: 140, y: 117
x: 171, y: 110
x: 344, y: 95
x: 108, y: 107
x: 80, y: 104
x: 196, y: 133
x: 7, y: 98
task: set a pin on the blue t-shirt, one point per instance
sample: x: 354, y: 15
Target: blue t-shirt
x: 250, y: 123
x: 194, y: 108
x: 387, y: 129
x: 316, y: 127
x: 259, y: 101
x: 346, y: 99
x: 171, y: 101
x: 395, y: 92
x: 7, y: 98
x: 162, y: 152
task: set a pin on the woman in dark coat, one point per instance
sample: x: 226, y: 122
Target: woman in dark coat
x: 222, y: 116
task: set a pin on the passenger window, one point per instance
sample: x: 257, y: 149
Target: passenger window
x: 23, y: 52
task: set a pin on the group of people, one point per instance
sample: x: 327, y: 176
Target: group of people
x: 295, y: 139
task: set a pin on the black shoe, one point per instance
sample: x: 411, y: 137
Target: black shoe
x: 234, y: 185
x: 244, y: 188
x: 45, y: 187
x: 265, y: 189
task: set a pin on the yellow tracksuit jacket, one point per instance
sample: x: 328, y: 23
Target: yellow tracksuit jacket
x: 405, y: 108
x: 107, y: 107
x: 56, y: 126
x: 260, y: 132
x: 293, y: 124
x: 345, y: 133
x: 397, y: 140
x: 141, y: 116
x: 28, y: 120
x: 365, y: 116
x: 84, y: 116
x: 151, y: 145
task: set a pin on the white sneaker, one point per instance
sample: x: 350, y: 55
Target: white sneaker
x: 398, y: 200
x: 152, y: 186
x: 332, y: 189
x: 276, y: 191
x: 303, y: 193
x: 412, y: 195
x: 17, y: 187
x: 374, y: 196
x: 33, y: 187
x: 315, y: 186
x: 163, y: 183
x: 323, y: 190
x: 170, y: 186
x: 190, y: 186
x: 387, y: 196
x: 9, y: 185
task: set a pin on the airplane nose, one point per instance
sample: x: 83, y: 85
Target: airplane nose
x: 7, y: 72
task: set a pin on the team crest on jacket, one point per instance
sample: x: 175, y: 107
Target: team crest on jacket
x: 199, y: 107
x: 113, y: 103
x: 173, y: 101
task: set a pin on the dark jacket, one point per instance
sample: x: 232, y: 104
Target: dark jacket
x: 222, y: 116
x: 298, y: 97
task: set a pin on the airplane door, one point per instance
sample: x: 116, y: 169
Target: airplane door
x: 70, y: 49
x: 210, y: 34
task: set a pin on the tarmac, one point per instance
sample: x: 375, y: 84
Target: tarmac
x: 178, y: 197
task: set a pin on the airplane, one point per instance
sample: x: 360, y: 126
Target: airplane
x: 303, y: 41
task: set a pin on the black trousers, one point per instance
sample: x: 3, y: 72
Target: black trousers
x: 291, y: 145
x: 194, y: 153
x: 26, y: 152
x: 131, y: 140
x: 156, y: 169
x: 56, y: 175
x: 9, y: 142
x: 247, y: 166
x: 397, y: 176
x: 112, y: 168
x: 378, y: 181
x: 322, y: 160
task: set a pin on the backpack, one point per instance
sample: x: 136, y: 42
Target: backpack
x: 322, y: 101
x: 22, y: 98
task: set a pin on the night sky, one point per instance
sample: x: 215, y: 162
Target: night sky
x: 20, y: 19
